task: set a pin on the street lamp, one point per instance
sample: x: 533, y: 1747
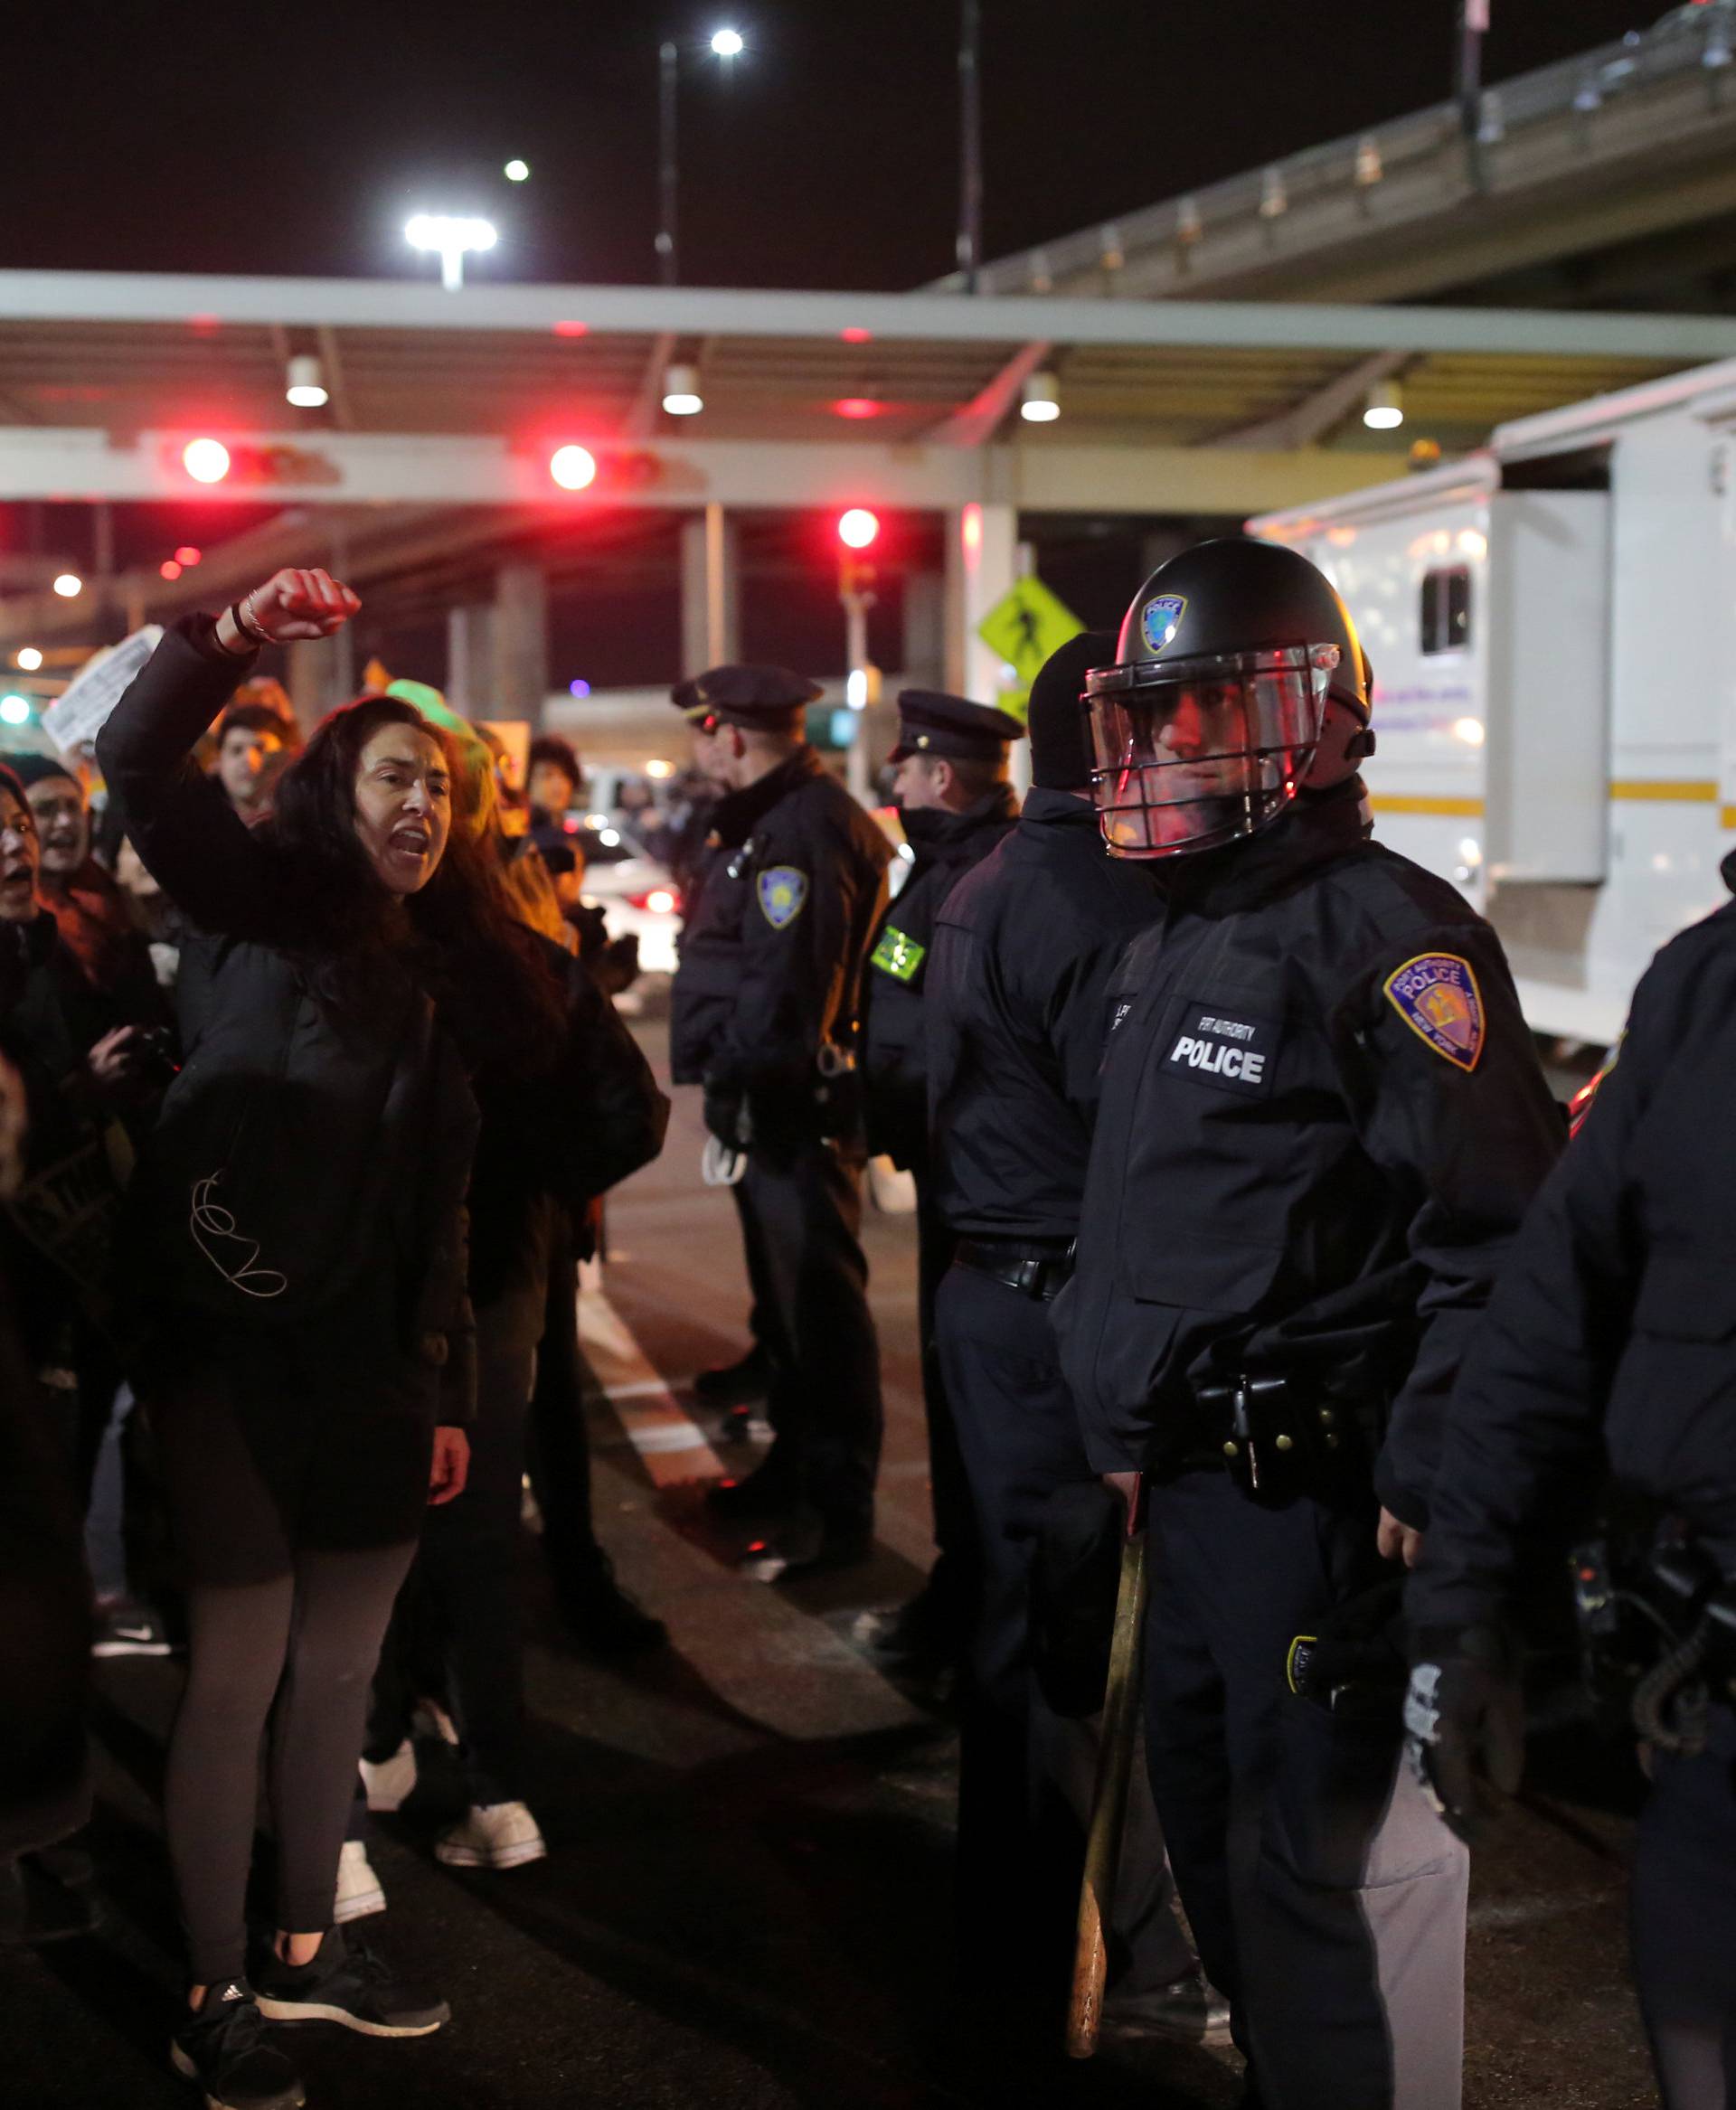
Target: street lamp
x: 726, y: 44
x: 452, y: 240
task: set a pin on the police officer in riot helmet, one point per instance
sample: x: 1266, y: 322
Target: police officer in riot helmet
x: 1322, y: 1119
x: 763, y: 1015
x: 955, y: 804
x: 1603, y: 1385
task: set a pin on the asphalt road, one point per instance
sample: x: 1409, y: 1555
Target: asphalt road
x: 745, y: 1902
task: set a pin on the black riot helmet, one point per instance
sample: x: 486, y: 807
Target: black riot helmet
x: 1239, y: 680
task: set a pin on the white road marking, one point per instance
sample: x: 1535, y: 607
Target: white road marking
x: 674, y: 1446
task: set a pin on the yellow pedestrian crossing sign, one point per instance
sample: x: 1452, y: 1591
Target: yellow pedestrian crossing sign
x: 1024, y: 627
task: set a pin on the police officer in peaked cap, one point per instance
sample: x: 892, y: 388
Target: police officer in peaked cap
x: 763, y: 1016
x: 1322, y: 1119
x: 954, y: 799
x: 1016, y: 992
x: 1605, y: 1366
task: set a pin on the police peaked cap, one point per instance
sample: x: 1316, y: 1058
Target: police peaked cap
x: 765, y: 699
x: 930, y: 722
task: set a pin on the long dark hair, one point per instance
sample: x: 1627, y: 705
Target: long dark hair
x: 467, y: 948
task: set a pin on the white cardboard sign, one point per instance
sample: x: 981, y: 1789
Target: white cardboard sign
x: 82, y: 709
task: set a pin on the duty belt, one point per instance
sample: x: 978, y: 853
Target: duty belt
x: 1272, y: 1436
x: 1033, y: 1271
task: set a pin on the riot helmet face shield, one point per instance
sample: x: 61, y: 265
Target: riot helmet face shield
x: 1193, y: 752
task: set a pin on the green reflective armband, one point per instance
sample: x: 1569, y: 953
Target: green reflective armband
x: 898, y: 956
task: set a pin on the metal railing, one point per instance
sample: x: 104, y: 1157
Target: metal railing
x: 1695, y: 37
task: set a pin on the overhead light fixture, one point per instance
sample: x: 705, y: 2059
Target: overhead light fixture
x: 681, y: 396
x: 1369, y: 166
x: 29, y: 658
x: 16, y: 710
x: 518, y: 172
x: 1039, y: 402
x: 306, y: 389
x: 727, y: 43
x: 1385, y: 411
x: 68, y: 586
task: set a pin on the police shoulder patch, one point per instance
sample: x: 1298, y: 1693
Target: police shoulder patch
x: 1437, y: 996
x: 783, y: 894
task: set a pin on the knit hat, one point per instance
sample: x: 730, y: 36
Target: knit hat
x: 30, y: 770
x: 1060, y: 732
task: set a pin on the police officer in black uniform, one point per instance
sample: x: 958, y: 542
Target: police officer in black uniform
x: 1322, y: 1119
x: 763, y: 1015
x: 954, y: 799
x: 1018, y: 972
x: 1607, y: 1361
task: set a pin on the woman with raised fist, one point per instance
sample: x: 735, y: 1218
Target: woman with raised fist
x: 295, y: 1271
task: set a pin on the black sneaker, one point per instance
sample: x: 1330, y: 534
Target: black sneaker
x: 736, y: 1384
x: 603, y: 1616
x: 349, y: 1984
x: 770, y: 1490
x: 130, y: 1630
x: 225, y: 2048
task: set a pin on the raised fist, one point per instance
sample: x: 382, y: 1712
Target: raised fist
x: 290, y: 606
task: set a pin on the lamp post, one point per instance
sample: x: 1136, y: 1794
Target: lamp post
x: 726, y: 44
x: 452, y: 240
x: 970, y: 143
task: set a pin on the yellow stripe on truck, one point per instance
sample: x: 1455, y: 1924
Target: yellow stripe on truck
x: 1682, y: 790
x: 1637, y: 790
x: 1403, y: 801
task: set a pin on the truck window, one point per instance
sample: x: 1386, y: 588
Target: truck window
x: 1446, y: 609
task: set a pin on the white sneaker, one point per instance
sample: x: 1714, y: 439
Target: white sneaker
x: 495, y: 1835
x: 358, y: 1888
x: 392, y: 1783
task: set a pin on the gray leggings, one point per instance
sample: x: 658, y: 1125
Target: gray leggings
x: 295, y: 1530
x: 311, y: 1640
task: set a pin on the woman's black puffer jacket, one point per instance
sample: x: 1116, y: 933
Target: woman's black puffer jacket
x: 313, y: 1141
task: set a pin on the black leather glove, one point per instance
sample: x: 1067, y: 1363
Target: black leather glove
x: 723, y: 1115
x: 1356, y: 1663
x: 1464, y: 1714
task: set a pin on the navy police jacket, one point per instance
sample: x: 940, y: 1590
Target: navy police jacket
x: 771, y: 955
x: 894, y: 1068
x: 1323, y: 1118
x: 1612, y: 1338
x: 1017, y: 1008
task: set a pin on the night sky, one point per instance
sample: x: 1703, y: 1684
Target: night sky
x: 149, y: 137
x: 141, y: 136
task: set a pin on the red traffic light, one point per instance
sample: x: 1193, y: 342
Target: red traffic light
x: 858, y: 528
x: 206, y: 461
x: 574, y: 469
